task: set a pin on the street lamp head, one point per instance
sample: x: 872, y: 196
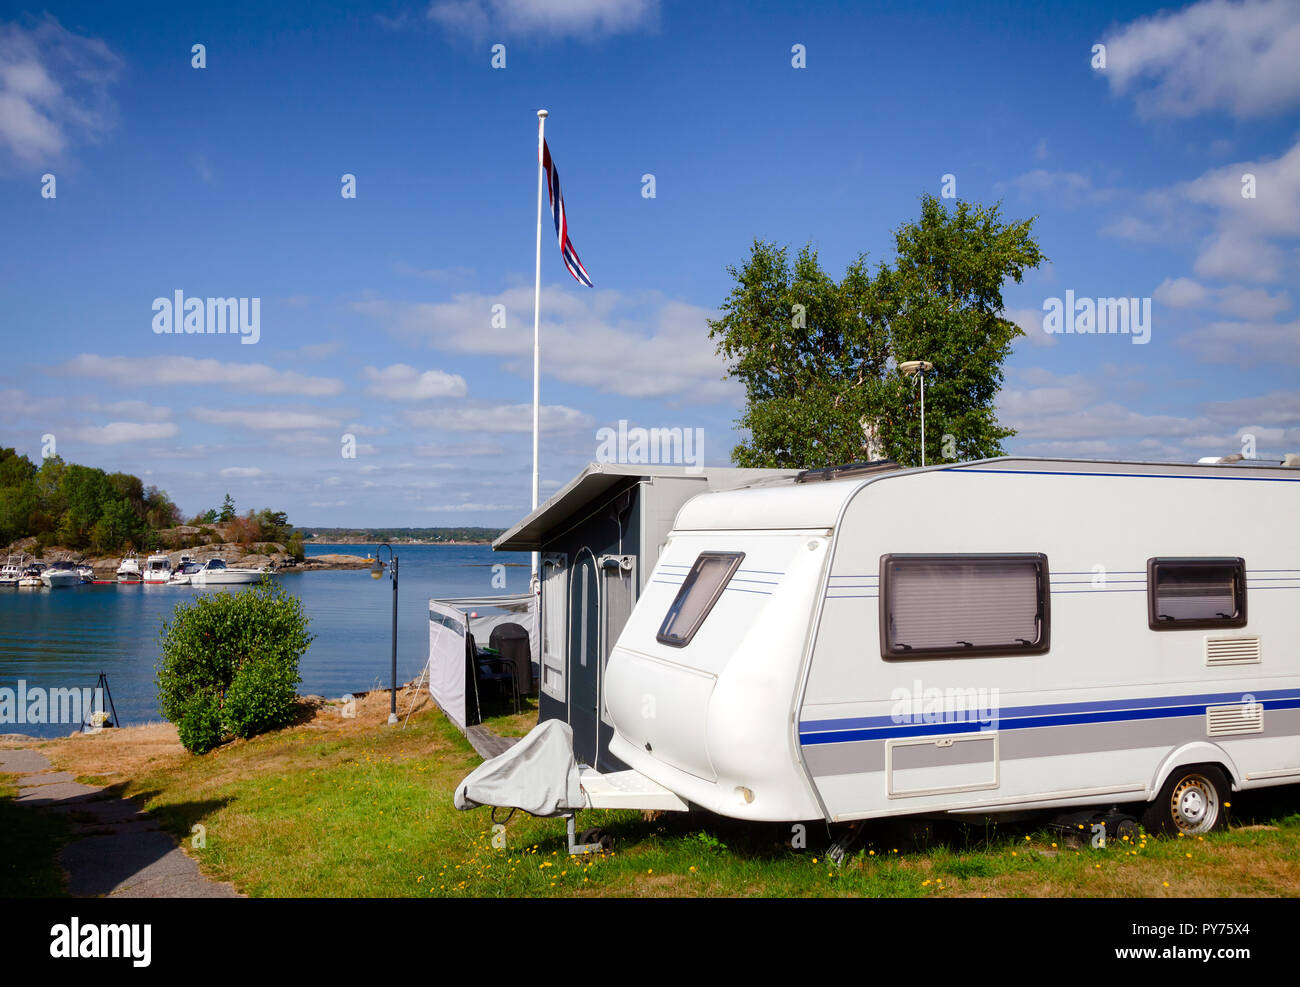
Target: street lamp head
x: 376, y: 569
x: 912, y: 367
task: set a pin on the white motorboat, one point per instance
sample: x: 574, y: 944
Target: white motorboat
x: 185, y: 568
x: 86, y: 571
x: 60, y: 574
x: 12, y: 569
x: 31, y: 576
x: 129, y: 570
x: 217, y: 573
x: 157, y: 570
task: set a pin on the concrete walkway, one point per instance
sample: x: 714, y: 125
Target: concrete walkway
x: 116, y: 850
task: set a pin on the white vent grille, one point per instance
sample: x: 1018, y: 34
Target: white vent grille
x: 1229, y: 721
x: 1232, y: 650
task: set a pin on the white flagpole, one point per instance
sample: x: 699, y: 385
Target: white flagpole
x: 535, y: 585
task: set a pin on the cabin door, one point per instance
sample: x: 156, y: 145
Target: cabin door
x: 617, y: 597
x: 584, y: 656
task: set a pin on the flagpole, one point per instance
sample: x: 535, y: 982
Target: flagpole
x: 535, y: 584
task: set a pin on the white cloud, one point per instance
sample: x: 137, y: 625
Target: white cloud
x: 174, y: 371
x: 115, y: 433
x: 553, y: 18
x: 135, y: 410
x: 402, y: 382
x: 501, y: 418
x: 460, y: 449
x: 1245, y: 344
x: 1031, y: 321
x: 53, y: 90
x: 1237, y: 57
x: 639, y: 346
x: 1063, y: 187
x: 240, y: 472
x: 468, y: 506
x: 265, y: 419
x: 1181, y: 293
x: 1251, y: 303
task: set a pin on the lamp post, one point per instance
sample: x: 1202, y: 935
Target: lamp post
x: 912, y: 368
x: 377, y: 572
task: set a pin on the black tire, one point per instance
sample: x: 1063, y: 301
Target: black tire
x: 1190, y: 802
x: 597, y: 835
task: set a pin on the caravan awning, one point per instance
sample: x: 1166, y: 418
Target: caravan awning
x: 575, y: 499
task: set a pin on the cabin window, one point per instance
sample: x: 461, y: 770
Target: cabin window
x: 700, y: 591
x: 958, y: 606
x: 1184, y: 594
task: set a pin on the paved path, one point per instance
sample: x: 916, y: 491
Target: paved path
x: 116, y: 850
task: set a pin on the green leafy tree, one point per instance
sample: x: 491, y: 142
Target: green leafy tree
x: 819, y: 358
x: 227, y: 513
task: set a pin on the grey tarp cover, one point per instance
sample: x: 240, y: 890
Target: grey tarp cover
x: 538, y: 775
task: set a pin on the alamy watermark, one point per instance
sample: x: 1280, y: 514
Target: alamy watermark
x: 1099, y: 316
x: 918, y: 704
x: 178, y: 314
x: 644, y: 446
x: 41, y: 705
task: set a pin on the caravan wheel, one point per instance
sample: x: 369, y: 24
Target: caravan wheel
x: 1191, y: 802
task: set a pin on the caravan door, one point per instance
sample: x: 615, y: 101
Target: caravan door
x: 584, y: 656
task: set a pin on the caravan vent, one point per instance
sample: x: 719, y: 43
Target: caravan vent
x: 1232, y: 650
x: 1229, y: 721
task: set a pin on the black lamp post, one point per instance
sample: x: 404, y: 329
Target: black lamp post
x: 377, y: 572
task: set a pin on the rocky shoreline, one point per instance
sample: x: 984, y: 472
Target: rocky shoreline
x: 106, y: 566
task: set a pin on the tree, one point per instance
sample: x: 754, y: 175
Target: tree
x: 227, y: 510
x: 819, y: 359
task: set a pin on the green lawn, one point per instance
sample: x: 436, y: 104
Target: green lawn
x: 29, y: 866
x: 317, y: 811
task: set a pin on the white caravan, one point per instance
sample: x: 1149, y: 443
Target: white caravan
x: 982, y: 637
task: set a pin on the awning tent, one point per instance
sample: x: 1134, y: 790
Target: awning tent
x: 451, y: 668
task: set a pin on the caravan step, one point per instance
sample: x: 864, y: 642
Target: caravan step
x: 626, y: 790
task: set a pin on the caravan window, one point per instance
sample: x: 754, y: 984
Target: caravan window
x: 700, y: 591
x: 947, y: 606
x: 1183, y: 594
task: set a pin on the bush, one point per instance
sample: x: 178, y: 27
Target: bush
x: 238, y: 650
x: 260, y: 698
x: 199, y: 724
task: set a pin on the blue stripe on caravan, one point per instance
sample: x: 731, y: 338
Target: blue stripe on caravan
x: 1022, y: 723
x: 1057, y: 709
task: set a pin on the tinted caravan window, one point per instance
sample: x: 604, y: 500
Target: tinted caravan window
x: 1183, y: 594
x: 934, y: 606
x: 704, y: 584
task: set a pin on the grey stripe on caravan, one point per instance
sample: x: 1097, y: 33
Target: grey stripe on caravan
x: 1088, y: 738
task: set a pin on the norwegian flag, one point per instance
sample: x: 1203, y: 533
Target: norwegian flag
x: 561, y: 221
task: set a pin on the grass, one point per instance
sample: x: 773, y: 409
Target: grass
x: 351, y: 807
x: 29, y: 867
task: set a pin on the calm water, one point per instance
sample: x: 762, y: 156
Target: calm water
x: 64, y: 638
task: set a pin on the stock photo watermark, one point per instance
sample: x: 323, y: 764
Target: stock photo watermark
x: 634, y: 445
x: 917, y: 704
x: 1098, y: 316
x: 208, y: 316
x: 39, y: 705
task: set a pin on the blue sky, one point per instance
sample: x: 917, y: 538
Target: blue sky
x: 376, y: 312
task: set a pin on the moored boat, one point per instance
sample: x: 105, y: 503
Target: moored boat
x: 31, y: 576
x: 86, y: 571
x: 60, y: 574
x: 129, y: 570
x: 217, y: 573
x: 12, y: 569
x: 157, y: 570
x: 185, y: 568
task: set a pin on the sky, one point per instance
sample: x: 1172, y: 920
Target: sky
x: 390, y: 380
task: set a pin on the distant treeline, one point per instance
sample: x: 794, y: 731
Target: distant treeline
x: 87, y: 509
x: 401, y: 534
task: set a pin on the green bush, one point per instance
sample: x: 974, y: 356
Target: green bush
x: 199, y: 724
x: 260, y: 698
x: 241, y: 652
